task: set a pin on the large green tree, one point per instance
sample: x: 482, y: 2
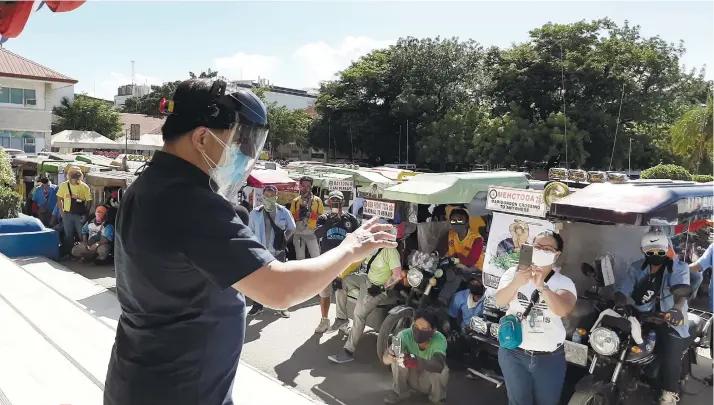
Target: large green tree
x: 286, y: 126
x: 587, y: 90
x: 607, y: 79
x: 87, y: 114
x: 692, y: 136
x: 390, y: 96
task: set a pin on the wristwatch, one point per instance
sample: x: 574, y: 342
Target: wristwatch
x: 544, y: 288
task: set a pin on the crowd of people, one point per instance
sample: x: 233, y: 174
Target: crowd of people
x: 84, y: 234
x: 538, y: 296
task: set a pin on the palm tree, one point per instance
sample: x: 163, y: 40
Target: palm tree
x: 692, y: 134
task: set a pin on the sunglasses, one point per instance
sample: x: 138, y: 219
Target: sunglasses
x: 655, y: 253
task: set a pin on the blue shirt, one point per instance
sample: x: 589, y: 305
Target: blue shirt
x: 460, y: 306
x: 256, y: 223
x: 678, y: 275
x: 50, y: 203
x: 705, y: 262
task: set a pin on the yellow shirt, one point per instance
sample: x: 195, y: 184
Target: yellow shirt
x: 79, y: 191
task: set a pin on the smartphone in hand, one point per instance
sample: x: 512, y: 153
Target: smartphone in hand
x: 525, y: 260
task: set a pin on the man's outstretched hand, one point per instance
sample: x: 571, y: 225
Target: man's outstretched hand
x: 368, y: 238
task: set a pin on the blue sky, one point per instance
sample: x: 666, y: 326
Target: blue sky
x: 297, y: 44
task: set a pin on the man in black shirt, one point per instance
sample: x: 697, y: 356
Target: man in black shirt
x: 332, y: 228
x: 183, y: 258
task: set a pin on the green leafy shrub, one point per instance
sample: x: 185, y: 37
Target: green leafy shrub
x: 672, y: 172
x: 10, y: 201
x: 702, y: 178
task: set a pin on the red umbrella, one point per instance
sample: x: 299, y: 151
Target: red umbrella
x: 14, y: 14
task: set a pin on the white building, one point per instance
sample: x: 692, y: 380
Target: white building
x: 130, y: 91
x: 293, y: 99
x: 28, y: 92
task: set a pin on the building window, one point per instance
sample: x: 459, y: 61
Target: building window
x: 30, y: 97
x: 18, y: 96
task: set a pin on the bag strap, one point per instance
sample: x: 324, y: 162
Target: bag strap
x: 70, y: 189
x: 371, y: 259
x: 535, y: 297
x: 272, y: 223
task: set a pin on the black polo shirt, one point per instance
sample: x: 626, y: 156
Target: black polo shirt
x: 179, y: 248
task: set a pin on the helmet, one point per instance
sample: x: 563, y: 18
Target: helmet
x: 654, y: 240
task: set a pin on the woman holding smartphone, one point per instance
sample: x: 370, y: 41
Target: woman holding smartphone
x: 534, y: 371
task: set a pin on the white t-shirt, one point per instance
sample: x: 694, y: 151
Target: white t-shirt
x: 543, y: 330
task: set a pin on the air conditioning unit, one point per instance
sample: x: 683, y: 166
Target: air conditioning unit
x: 30, y: 101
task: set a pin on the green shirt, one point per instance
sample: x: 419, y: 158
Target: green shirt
x: 437, y: 345
x: 381, y: 268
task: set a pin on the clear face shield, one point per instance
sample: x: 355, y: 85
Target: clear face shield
x: 240, y: 153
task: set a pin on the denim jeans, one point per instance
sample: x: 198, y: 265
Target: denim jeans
x: 695, y: 280
x: 532, y: 380
x: 72, y: 227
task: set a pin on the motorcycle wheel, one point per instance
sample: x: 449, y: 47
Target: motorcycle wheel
x: 592, y: 397
x: 393, y: 324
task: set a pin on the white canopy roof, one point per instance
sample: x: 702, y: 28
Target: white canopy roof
x: 146, y: 142
x: 81, y: 139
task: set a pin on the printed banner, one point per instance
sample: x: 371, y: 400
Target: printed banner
x: 516, y: 201
x: 508, y: 233
x: 340, y: 185
x: 379, y: 208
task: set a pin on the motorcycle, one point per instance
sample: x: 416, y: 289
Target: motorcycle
x: 481, y: 335
x: 618, y: 366
x: 427, y: 288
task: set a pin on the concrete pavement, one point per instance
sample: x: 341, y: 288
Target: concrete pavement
x: 58, y: 331
x: 288, y: 350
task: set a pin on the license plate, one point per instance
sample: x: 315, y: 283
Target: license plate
x: 576, y: 353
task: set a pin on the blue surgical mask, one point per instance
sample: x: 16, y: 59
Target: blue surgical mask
x: 230, y: 172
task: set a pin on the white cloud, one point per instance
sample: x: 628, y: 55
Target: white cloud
x: 244, y: 66
x: 305, y: 68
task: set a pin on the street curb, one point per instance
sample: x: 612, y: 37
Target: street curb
x: 289, y: 387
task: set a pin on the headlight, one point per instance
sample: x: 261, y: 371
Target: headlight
x: 438, y: 273
x: 604, y: 341
x: 478, y: 325
x: 494, y: 329
x: 414, y: 277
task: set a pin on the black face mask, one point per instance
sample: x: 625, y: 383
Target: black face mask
x: 656, y: 260
x: 459, y: 228
x: 476, y: 290
x: 421, y: 336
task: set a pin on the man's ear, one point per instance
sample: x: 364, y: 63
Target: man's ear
x: 199, y: 138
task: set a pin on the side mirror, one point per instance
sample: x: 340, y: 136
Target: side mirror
x: 587, y: 269
x: 681, y: 290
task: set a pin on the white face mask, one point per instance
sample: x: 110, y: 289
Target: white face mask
x: 543, y: 258
x: 334, y: 210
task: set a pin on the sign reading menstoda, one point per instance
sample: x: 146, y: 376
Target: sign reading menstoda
x: 340, y: 185
x: 381, y: 209
x: 516, y: 201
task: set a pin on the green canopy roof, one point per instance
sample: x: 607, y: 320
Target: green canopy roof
x: 452, y: 188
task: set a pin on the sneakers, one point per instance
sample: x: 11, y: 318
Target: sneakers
x: 255, y: 310
x: 344, y: 357
x: 394, y: 398
x: 668, y: 398
x: 323, y: 326
x: 283, y: 313
x: 339, y: 325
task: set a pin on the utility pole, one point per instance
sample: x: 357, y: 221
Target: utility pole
x: 329, y: 138
x: 407, y: 141
x: 629, y: 155
x: 399, y: 160
x: 133, y: 88
x: 352, y: 146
